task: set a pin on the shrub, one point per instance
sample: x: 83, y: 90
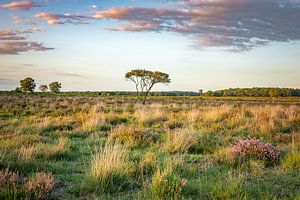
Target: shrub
x: 109, y: 171
x: 255, y: 149
x: 292, y: 161
x: 180, y: 140
x: 132, y: 136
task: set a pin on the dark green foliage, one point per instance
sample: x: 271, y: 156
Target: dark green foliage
x: 27, y: 85
x: 55, y: 87
x: 255, y: 92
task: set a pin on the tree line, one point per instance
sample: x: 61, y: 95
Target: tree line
x: 28, y: 85
x: 255, y: 92
x: 145, y: 80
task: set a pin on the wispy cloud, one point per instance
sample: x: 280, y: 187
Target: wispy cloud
x: 6, y: 81
x: 61, y: 73
x: 19, y: 5
x: 16, y: 34
x: 15, y: 42
x: 66, y: 18
x: 14, y: 48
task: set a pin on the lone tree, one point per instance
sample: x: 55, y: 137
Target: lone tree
x: 144, y: 81
x: 27, y: 85
x: 43, y: 88
x: 55, y: 87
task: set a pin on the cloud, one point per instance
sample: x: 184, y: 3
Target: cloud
x: 17, y: 20
x: 61, y: 73
x: 15, y: 42
x: 16, y: 35
x: 94, y: 6
x: 236, y: 25
x: 14, y: 48
x: 66, y: 18
x: 20, y: 5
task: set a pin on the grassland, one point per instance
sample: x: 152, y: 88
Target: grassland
x: 170, y: 148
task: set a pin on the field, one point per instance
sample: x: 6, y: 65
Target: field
x: 62, y: 147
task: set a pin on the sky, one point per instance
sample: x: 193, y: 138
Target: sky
x: 89, y: 45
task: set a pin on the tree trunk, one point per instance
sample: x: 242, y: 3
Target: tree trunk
x: 146, y: 94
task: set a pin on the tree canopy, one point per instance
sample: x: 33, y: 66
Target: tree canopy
x: 55, y: 87
x: 43, y: 88
x: 144, y: 80
x: 27, y: 85
x: 255, y: 92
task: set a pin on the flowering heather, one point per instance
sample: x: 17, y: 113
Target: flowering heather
x: 9, y: 179
x: 14, y: 186
x: 40, y: 186
x: 255, y: 149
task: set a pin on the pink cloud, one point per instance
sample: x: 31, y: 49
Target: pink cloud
x: 15, y: 42
x: 62, y: 18
x: 19, y: 5
x: 14, y: 48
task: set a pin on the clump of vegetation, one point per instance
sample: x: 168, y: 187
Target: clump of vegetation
x: 166, y: 183
x: 110, y: 170
x: 180, y: 140
x: 132, y: 136
x: 15, y: 186
x: 255, y: 149
x: 291, y: 161
x: 40, y: 186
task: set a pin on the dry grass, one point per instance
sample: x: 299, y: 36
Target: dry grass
x: 169, y: 148
x: 180, y: 140
x: 110, y: 169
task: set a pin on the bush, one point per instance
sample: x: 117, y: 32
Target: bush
x: 292, y: 161
x: 255, y: 149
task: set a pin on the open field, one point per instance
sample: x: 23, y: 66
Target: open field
x: 62, y: 147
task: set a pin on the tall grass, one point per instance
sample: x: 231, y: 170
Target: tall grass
x: 110, y: 170
x: 180, y: 140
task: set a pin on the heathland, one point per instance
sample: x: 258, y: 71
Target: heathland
x: 99, y: 147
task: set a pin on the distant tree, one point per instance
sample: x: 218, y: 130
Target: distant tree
x: 43, y: 88
x: 144, y: 81
x: 18, y: 89
x: 273, y: 92
x: 27, y: 85
x: 209, y: 93
x: 55, y: 87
